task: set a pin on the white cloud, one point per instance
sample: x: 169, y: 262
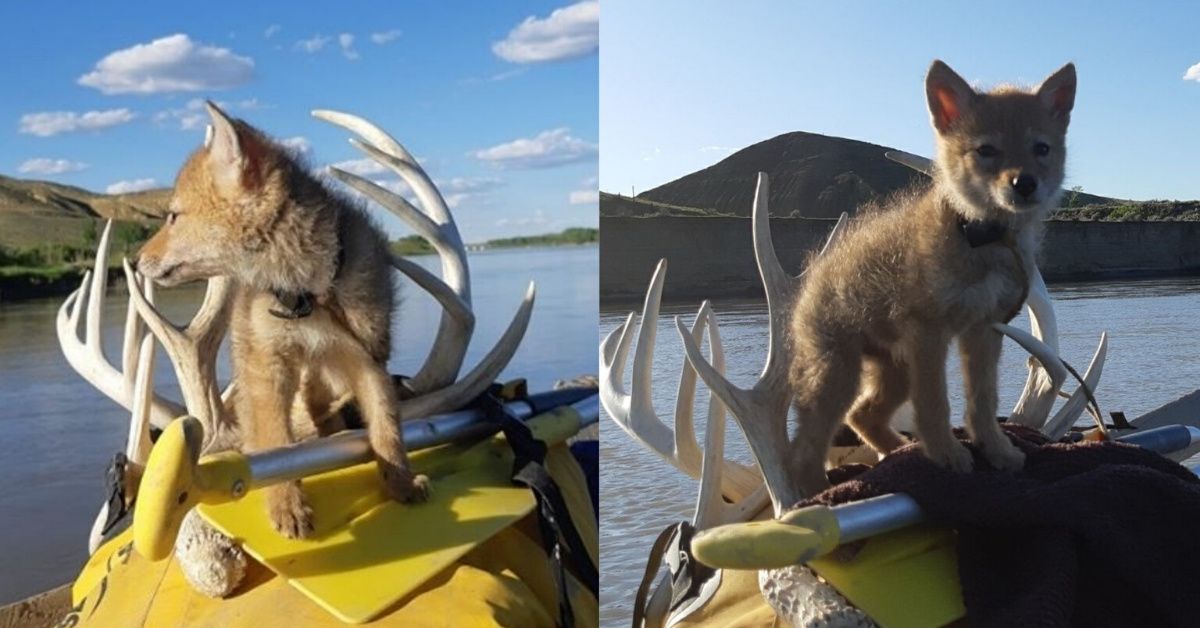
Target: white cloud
x: 299, y: 144
x: 569, y: 32
x: 169, y: 64
x: 44, y: 165
x: 584, y: 197
x: 1193, y: 73
x: 546, y: 150
x: 272, y: 30
x: 346, y: 41
x: 385, y: 37
x: 314, y: 44
x: 132, y: 185
x: 362, y: 167
x: 48, y: 123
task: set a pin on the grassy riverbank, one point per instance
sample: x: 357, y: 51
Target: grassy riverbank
x: 416, y: 245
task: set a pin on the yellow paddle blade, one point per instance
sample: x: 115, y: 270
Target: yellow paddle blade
x: 367, y: 552
x: 798, y: 537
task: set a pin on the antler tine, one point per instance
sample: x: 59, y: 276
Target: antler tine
x: 193, y: 349
x: 761, y: 411
x: 437, y: 226
x: 711, y: 508
x: 478, y: 379
x: 1062, y: 421
x: 86, y: 356
x: 1037, y: 398
x: 634, y: 412
x: 429, y: 282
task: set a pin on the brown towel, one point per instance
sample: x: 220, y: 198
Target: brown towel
x: 1088, y: 534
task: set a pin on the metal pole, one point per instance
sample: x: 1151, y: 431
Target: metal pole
x: 352, y: 447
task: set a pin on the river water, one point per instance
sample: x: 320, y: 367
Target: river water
x: 1153, y: 358
x: 57, y: 434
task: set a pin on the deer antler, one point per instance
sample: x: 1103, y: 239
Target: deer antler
x: 634, y: 412
x: 87, y: 356
x: 436, y: 225
x: 761, y: 411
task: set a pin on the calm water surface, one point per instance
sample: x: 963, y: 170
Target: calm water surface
x: 57, y: 434
x: 1153, y: 358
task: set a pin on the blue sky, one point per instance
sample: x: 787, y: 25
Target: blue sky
x: 497, y: 99
x: 683, y: 84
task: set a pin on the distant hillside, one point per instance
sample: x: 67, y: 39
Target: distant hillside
x: 34, y: 213
x: 812, y: 176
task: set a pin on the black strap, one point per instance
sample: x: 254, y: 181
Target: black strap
x: 554, y: 518
x: 114, y: 480
x: 981, y: 232
x: 688, y: 575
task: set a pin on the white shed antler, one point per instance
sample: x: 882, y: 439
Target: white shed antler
x: 634, y: 411
x: 761, y: 411
x: 1047, y: 372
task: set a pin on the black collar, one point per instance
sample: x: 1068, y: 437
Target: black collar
x: 981, y: 232
x: 296, y: 305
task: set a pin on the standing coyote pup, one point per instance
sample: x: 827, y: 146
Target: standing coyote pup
x: 313, y: 308
x: 875, y: 318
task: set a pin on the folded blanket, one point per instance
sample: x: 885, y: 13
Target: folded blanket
x: 1087, y: 534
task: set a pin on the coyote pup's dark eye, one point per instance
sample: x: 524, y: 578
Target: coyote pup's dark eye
x: 1041, y: 149
x: 171, y: 218
x: 987, y: 150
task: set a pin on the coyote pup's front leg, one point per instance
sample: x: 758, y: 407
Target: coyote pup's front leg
x: 980, y: 349
x: 931, y: 405
x: 266, y: 387
x: 379, y: 405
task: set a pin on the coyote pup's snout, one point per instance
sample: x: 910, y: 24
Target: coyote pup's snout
x: 312, y: 314
x: 873, y: 323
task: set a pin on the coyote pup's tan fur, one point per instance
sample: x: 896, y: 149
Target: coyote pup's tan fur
x: 873, y: 323
x: 243, y: 207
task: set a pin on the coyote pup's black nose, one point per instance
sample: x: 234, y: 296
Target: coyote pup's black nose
x: 1024, y: 184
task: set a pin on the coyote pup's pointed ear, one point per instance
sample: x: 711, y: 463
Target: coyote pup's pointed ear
x: 227, y: 149
x: 948, y: 95
x: 1058, y: 92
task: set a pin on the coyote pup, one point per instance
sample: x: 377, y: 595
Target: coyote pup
x: 312, y: 312
x: 875, y: 318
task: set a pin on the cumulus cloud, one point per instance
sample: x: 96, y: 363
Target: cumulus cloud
x: 584, y: 197
x: 556, y: 147
x: 362, y: 167
x: 48, y: 123
x: 313, y: 44
x: 299, y: 144
x: 170, y: 64
x: 132, y: 185
x: 569, y: 32
x: 385, y: 37
x: 45, y: 166
x: 1193, y: 73
x: 346, y: 41
x: 272, y: 30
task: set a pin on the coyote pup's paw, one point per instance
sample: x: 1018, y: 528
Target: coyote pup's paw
x: 402, y: 485
x: 953, y: 455
x: 1004, y: 455
x: 290, y: 513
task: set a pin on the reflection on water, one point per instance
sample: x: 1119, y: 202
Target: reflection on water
x: 1152, y: 359
x: 57, y: 433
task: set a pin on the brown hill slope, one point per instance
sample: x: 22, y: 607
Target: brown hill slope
x: 40, y: 212
x: 812, y: 175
